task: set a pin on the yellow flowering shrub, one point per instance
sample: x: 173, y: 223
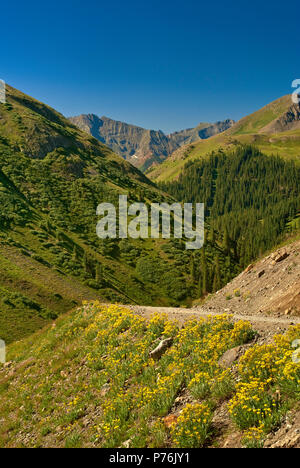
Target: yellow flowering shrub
x: 269, y: 379
x: 94, y: 379
x: 251, y: 404
x: 219, y: 385
x: 200, y: 385
x: 121, y: 343
x: 254, y: 437
x: 193, y: 426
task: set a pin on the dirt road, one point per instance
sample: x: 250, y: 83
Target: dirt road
x: 266, y: 326
x: 267, y: 294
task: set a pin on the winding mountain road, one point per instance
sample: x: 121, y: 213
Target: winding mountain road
x: 267, y: 294
x: 264, y: 324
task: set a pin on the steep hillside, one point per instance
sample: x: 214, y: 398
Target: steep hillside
x: 269, y: 287
x: 274, y: 129
x: 143, y: 148
x: 251, y: 198
x: 52, y: 177
x: 278, y: 116
x: 110, y: 376
x: 97, y: 378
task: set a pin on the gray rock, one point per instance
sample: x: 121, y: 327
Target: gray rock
x: 161, y: 348
x: 229, y: 357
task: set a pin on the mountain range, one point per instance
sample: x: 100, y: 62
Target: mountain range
x: 144, y: 148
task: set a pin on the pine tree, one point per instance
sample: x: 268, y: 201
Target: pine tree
x: 217, y: 276
x: 99, y: 274
x: 193, y: 269
x: 59, y: 235
x: 204, y: 273
x: 48, y: 226
x: 200, y: 286
x: 75, y: 253
x: 226, y: 240
x: 212, y: 236
x: 86, y: 263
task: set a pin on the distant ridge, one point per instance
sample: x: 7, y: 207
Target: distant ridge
x: 144, y: 148
x: 274, y: 129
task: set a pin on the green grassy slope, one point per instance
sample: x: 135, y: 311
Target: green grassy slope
x: 255, y: 129
x: 31, y: 293
x: 257, y: 121
x: 252, y: 197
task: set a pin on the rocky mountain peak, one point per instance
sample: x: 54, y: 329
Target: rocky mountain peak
x: 144, y: 148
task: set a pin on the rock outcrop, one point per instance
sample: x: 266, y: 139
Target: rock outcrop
x: 157, y: 353
x: 143, y: 148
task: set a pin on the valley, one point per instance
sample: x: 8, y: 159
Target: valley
x: 52, y: 178
x: 149, y: 228
x: 83, y: 370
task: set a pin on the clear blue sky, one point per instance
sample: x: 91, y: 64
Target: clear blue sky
x: 165, y: 64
